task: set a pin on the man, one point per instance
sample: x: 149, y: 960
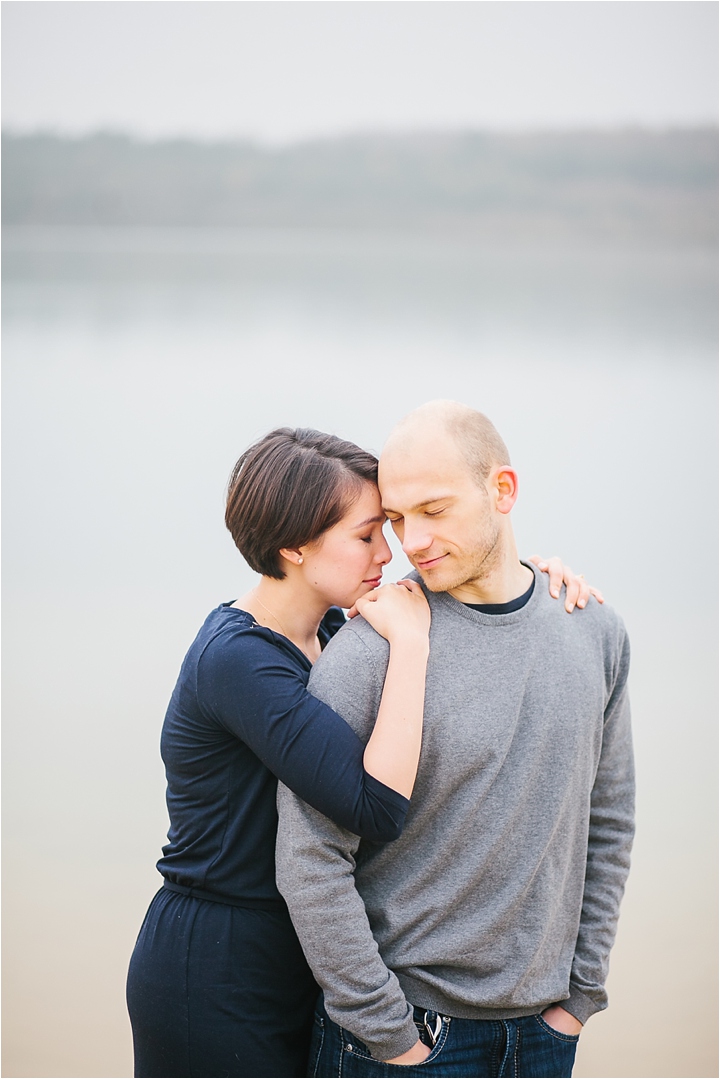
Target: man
x: 477, y: 944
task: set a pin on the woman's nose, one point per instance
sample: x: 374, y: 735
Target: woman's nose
x: 384, y: 554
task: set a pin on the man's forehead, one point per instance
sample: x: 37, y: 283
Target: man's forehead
x: 409, y: 481
x: 421, y: 484
x: 417, y: 451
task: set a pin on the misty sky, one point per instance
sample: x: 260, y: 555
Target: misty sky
x: 280, y: 71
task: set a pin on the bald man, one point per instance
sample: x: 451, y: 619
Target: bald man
x: 477, y: 944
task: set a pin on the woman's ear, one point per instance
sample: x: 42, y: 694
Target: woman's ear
x: 292, y: 554
x: 505, y: 483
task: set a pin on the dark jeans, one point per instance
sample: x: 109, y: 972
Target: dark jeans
x: 525, y: 1047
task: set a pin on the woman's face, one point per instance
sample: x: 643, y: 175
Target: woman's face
x: 347, y: 560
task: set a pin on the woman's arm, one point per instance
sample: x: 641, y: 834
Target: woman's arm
x: 253, y: 688
x: 400, y: 613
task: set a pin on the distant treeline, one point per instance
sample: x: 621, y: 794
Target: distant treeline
x: 592, y: 184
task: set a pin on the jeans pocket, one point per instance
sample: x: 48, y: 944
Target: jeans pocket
x: 356, y: 1061
x: 558, y: 1034
x: 316, y: 1044
x: 435, y: 1051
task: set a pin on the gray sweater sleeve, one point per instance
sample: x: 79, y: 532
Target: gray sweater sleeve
x: 315, y: 864
x: 609, y: 842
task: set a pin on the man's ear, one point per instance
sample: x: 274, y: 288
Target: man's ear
x: 504, y: 482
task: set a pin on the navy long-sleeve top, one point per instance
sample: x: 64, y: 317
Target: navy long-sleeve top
x: 241, y: 718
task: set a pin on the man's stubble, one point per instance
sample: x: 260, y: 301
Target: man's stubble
x: 476, y: 566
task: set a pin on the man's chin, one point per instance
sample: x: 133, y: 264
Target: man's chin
x: 434, y: 579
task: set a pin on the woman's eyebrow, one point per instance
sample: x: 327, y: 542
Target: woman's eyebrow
x: 371, y: 521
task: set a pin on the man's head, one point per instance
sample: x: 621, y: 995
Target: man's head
x: 447, y: 486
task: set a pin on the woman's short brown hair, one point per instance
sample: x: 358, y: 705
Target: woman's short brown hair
x: 288, y: 488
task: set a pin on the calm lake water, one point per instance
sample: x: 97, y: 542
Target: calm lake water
x: 140, y: 363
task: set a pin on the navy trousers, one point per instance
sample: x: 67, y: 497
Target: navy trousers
x: 219, y: 990
x: 525, y: 1047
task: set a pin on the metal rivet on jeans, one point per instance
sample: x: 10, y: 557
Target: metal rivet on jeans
x: 349, y: 1047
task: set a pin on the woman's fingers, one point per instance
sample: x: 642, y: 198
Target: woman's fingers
x: 555, y: 571
x: 577, y: 590
x: 572, y: 590
x: 395, y: 610
x: 412, y: 586
x: 583, y: 591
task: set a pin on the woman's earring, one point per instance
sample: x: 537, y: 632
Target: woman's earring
x: 300, y: 560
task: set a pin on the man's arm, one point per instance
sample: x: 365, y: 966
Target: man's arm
x: 609, y: 844
x: 315, y: 864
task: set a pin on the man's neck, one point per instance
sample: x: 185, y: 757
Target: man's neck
x: 508, y: 580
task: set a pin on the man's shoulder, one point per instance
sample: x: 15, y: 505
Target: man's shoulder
x: 354, y: 662
x: 356, y: 637
x: 597, y: 631
x: 597, y: 617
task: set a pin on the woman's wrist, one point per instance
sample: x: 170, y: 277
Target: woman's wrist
x: 412, y: 642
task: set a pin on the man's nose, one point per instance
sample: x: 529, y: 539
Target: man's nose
x: 416, y: 537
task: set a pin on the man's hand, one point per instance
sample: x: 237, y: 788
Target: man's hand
x: 418, y: 1053
x: 557, y: 1018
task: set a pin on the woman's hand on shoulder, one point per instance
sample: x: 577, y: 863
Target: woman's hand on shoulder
x: 395, y: 611
x: 577, y: 590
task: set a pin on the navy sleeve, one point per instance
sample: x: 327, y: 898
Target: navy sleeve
x: 250, y: 686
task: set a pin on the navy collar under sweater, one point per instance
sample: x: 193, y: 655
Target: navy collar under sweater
x: 504, y: 608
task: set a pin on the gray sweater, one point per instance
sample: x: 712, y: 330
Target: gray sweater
x: 502, y: 894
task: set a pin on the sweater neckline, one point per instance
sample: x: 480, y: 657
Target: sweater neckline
x: 480, y: 618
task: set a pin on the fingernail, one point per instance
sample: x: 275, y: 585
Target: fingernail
x: 554, y: 593
x: 581, y: 603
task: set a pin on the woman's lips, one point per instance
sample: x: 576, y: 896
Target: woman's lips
x: 373, y: 580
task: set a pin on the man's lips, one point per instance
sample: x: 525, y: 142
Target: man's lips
x: 429, y: 563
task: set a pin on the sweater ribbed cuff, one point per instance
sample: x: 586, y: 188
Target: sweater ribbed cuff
x: 580, y: 1005
x: 401, y: 1041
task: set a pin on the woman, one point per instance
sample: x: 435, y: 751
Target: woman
x: 218, y: 985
